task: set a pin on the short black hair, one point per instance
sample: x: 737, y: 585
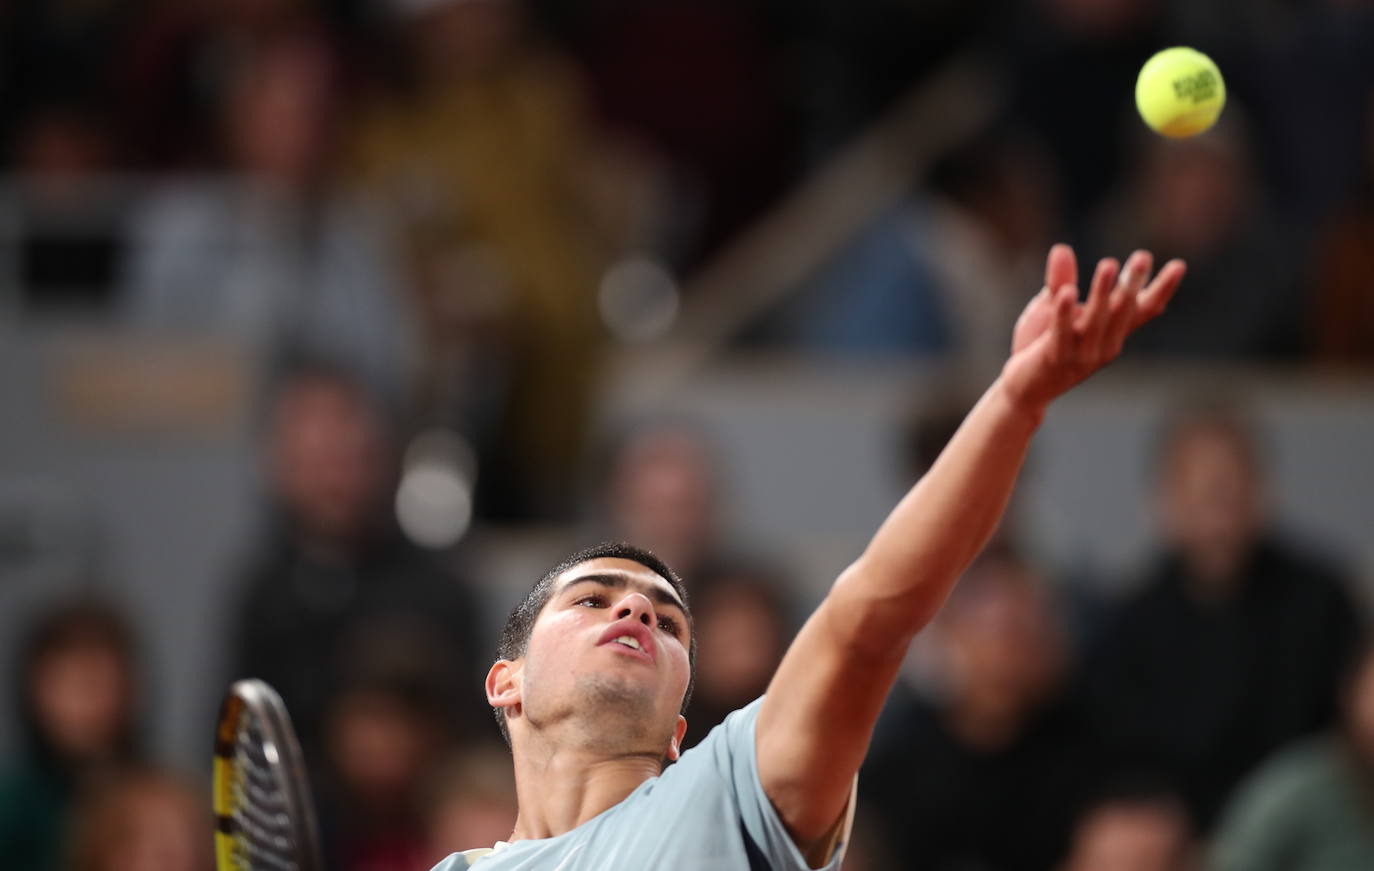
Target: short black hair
x: 515, y: 635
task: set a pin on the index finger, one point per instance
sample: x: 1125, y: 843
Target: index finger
x: 1153, y: 299
x: 1061, y: 267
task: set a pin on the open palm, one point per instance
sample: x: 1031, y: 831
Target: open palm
x: 1059, y: 341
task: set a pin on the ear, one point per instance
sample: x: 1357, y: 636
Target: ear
x: 675, y: 743
x: 504, y: 683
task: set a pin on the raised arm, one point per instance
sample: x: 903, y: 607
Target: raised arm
x: 816, y: 721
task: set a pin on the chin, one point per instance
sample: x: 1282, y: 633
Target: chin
x: 617, y: 692
x: 623, y: 707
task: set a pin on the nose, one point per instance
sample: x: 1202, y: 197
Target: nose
x: 635, y: 606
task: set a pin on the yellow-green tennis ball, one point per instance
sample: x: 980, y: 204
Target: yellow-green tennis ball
x: 1180, y: 92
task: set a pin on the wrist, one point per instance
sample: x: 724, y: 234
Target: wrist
x: 1018, y: 406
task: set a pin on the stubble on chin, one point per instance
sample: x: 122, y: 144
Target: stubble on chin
x: 616, y: 708
x: 606, y: 714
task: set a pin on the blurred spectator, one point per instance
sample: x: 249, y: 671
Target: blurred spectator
x: 844, y: 65
x: 385, y: 736
x: 1343, y: 286
x: 985, y: 236
x: 1309, y: 808
x: 64, y: 221
x: 1139, y: 829
x: 1236, y: 642
x: 484, y: 164
x: 142, y: 820
x: 696, y: 80
x: 472, y: 801
x: 275, y: 256
x: 943, y: 274
x: 991, y: 774
x: 337, y: 594
x: 1302, y: 71
x: 79, y: 700
x: 661, y: 491
x: 59, y: 53
x: 742, y: 629
x: 1093, y: 50
x: 180, y: 64
x: 876, y: 295
x: 1198, y: 199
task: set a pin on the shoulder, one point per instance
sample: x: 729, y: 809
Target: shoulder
x: 719, y: 814
x: 1297, y: 800
x: 1287, y: 782
x: 1306, y: 590
x: 734, y: 735
x: 709, y: 786
x: 1314, y: 571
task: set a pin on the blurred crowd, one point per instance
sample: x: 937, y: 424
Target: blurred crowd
x: 419, y: 214
x: 1219, y: 716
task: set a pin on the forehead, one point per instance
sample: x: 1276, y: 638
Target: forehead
x: 636, y: 576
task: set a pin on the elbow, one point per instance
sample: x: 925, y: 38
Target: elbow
x: 871, y: 621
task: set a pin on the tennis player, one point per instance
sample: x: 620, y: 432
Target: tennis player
x: 596, y: 664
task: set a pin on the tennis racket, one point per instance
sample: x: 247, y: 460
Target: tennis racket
x: 265, y: 820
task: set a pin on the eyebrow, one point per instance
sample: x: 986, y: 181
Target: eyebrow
x: 620, y: 582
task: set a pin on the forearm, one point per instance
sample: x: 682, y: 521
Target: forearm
x: 840, y: 667
x: 818, y: 716
x: 938, y: 528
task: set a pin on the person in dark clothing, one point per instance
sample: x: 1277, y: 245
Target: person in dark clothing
x: 1237, y: 640
x: 384, y: 738
x: 338, y: 594
x: 990, y: 776
x: 311, y: 625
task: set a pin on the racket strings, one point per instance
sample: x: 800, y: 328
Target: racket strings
x: 264, y: 837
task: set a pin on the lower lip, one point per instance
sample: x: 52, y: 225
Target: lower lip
x: 629, y: 651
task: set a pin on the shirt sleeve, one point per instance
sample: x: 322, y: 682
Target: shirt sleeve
x: 767, y: 841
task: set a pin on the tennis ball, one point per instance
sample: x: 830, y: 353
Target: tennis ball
x: 1180, y: 92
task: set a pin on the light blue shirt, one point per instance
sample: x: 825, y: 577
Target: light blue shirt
x: 708, y: 811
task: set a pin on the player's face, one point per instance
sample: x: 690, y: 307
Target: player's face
x: 610, y: 646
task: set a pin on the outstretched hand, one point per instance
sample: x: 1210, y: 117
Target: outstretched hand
x: 1059, y: 341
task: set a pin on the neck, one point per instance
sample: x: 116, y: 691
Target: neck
x: 1214, y: 574
x: 559, y: 789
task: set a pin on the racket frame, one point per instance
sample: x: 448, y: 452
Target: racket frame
x: 255, y: 698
